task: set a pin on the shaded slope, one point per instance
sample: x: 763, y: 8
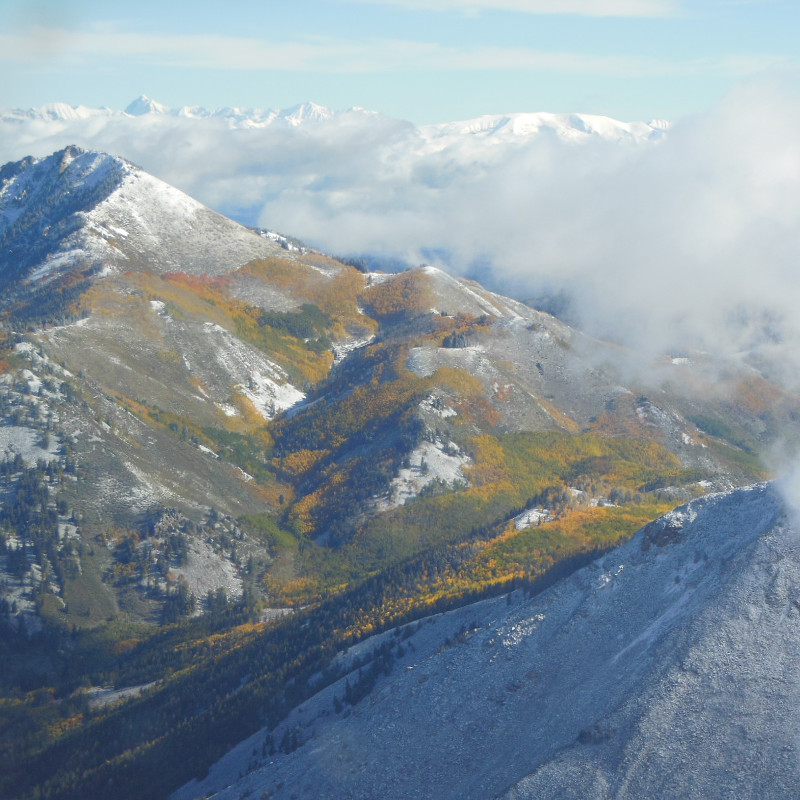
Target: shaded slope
x: 667, y: 668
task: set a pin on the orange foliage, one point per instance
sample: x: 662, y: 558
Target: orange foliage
x: 561, y: 419
x: 198, y: 283
x: 247, y: 408
x: 125, y: 646
x: 408, y: 292
x: 478, y: 410
x: 300, y: 462
x: 336, y: 293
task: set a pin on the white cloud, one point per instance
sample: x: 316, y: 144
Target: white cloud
x: 589, y: 8
x: 694, y: 239
x: 323, y: 54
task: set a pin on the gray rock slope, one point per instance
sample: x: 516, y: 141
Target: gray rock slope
x: 669, y: 668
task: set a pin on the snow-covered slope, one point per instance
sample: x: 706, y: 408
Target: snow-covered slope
x: 78, y: 210
x: 502, y: 128
x: 668, y: 668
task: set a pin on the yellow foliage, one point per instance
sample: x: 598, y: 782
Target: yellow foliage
x: 458, y: 380
x: 561, y: 419
x: 247, y: 409
x: 298, y: 463
x: 408, y: 292
x: 336, y: 291
x: 63, y: 726
x: 490, y: 467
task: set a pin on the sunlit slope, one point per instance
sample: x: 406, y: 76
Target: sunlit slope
x: 341, y: 421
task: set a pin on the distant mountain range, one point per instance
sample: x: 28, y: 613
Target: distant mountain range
x: 354, y: 182
x: 570, y: 127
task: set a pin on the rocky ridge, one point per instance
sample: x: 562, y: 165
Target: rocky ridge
x: 666, y: 668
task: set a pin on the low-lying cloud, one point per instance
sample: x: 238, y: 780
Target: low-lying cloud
x: 691, y: 240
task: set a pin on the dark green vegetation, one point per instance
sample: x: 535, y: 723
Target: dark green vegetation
x: 56, y: 745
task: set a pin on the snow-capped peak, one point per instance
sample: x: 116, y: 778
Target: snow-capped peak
x: 144, y: 105
x: 307, y: 112
x: 568, y: 127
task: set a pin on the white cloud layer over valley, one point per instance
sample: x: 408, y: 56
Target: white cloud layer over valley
x: 683, y: 238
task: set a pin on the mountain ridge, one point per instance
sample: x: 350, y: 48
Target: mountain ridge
x: 619, y: 681
x: 568, y: 126
x: 97, y: 199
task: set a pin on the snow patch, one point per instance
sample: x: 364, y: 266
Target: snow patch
x: 429, y: 462
x: 434, y: 405
x: 267, y: 385
x: 532, y: 516
x: 25, y: 442
x: 206, y: 571
x: 341, y: 350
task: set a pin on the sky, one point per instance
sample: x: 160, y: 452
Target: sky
x: 419, y: 60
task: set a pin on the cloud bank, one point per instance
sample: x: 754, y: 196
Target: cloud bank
x: 688, y: 241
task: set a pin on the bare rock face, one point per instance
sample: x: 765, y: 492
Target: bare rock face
x: 669, y: 668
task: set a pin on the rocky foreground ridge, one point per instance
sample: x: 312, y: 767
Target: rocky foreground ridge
x: 668, y: 668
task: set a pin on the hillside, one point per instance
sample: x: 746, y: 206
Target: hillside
x: 200, y: 368
x: 204, y: 426
x: 663, y: 669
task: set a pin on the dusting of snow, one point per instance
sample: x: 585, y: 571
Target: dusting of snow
x: 532, y: 516
x: 429, y: 462
x: 100, y: 696
x: 268, y: 396
x: 622, y: 674
x: 25, y: 442
x: 434, y: 405
x: 267, y: 386
x: 517, y: 631
x: 609, y: 575
x: 285, y: 243
x: 206, y: 571
x: 346, y: 347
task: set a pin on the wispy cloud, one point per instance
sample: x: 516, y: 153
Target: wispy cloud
x: 345, y: 56
x: 588, y: 8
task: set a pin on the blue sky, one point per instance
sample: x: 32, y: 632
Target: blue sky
x: 429, y: 61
